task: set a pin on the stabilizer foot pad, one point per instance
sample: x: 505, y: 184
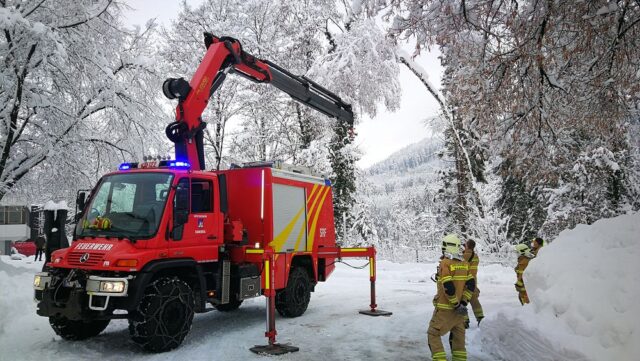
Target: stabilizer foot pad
x: 376, y: 313
x: 275, y: 349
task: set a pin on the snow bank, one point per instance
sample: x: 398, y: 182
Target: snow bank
x: 584, y: 288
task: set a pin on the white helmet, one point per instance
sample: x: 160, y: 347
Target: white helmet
x: 452, y: 247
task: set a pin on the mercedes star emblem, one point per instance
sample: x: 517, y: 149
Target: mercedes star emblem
x: 84, y: 258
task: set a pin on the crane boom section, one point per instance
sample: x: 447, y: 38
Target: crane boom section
x: 224, y: 55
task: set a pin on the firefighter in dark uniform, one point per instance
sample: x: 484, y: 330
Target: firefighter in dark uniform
x: 471, y: 256
x: 40, y: 248
x: 455, y: 288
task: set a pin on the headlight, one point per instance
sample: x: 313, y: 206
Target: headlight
x: 41, y: 280
x: 112, y: 286
x: 107, y: 286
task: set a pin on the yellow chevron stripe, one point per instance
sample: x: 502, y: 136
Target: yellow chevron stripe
x: 315, y: 219
x: 303, y: 229
x: 279, y: 241
x: 313, y: 205
x: 313, y: 191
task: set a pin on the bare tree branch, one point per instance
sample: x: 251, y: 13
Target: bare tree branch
x: 89, y: 18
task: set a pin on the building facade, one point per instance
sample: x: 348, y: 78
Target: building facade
x: 14, y: 226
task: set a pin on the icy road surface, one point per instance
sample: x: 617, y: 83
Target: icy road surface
x: 331, y: 329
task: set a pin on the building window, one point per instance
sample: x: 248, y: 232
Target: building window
x: 12, y: 215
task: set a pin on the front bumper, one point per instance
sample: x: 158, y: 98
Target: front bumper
x: 79, y: 297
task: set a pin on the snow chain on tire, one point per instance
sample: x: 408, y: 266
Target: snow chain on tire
x: 293, y: 300
x: 164, y: 316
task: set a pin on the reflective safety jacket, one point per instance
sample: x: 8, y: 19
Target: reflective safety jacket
x: 473, y: 259
x: 523, y: 262
x: 455, y: 284
x: 535, y: 250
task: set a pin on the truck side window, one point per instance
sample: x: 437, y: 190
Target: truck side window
x: 201, y: 196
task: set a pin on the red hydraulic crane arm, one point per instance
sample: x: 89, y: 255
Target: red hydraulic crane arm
x: 225, y: 55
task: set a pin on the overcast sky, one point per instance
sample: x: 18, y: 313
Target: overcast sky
x: 377, y: 137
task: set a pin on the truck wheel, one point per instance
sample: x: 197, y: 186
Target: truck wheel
x: 233, y: 305
x: 73, y: 330
x: 293, y: 300
x: 163, y: 317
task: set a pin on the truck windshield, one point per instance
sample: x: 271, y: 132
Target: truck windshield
x: 127, y: 205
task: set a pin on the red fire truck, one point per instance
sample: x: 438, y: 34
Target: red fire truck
x: 163, y: 239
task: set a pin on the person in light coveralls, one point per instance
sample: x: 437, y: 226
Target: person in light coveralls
x: 455, y: 288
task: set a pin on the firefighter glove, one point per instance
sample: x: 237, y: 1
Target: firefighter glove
x: 461, y: 309
x: 519, y: 288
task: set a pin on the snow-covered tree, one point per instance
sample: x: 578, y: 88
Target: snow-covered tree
x: 76, y: 94
x: 538, y: 81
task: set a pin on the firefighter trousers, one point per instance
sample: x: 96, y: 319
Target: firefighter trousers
x: 523, y: 297
x: 443, y: 322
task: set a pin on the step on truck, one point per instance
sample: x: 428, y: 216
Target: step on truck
x: 160, y: 240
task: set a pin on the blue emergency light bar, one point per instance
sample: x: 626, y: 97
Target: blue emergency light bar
x: 127, y: 166
x: 179, y: 164
x: 175, y: 164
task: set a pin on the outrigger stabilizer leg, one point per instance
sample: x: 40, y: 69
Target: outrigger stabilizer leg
x: 360, y: 252
x: 373, y: 311
x: 272, y: 348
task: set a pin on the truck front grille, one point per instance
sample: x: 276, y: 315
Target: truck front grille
x: 93, y: 259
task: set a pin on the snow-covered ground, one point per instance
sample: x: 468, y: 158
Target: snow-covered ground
x: 577, y: 313
x: 331, y: 329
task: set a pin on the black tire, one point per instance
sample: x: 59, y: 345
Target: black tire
x: 292, y: 301
x: 233, y: 305
x: 73, y: 330
x: 164, y: 316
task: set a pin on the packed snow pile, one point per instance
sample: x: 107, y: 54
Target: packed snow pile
x: 584, y: 288
x: 15, y: 255
x: 54, y: 206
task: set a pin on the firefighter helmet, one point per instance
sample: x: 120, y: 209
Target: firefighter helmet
x: 451, y: 246
x: 523, y: 250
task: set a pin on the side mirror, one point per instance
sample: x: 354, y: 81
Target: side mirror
x: 180, y: 209
x: 81, y: 202
x: 180, y: 217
